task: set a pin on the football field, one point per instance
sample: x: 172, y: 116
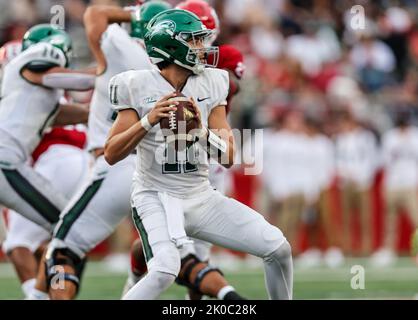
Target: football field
x: 398, y: 282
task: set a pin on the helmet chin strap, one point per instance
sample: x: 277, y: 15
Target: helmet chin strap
x: 197, y: 69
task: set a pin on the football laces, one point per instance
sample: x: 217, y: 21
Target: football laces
x: 172, y: 123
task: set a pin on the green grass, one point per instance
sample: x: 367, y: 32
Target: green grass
x: 398, y: 282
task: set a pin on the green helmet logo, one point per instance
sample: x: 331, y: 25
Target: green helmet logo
x: 50, y: 34
x: 178, y: 36
x: 163, y: 26
x: 143, y: 15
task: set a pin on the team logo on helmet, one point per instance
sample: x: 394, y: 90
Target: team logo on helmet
x: 164, y: 26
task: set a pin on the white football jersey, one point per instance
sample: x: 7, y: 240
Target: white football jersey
x: 357, y: 156
x: 319, y: 164
x: 400, y: 154
x: 122, y: 54
x: 26, y: 110
x: 140, y: 90
x: 284, y: 170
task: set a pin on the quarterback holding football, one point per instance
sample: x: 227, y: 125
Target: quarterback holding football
x: 172, y: 198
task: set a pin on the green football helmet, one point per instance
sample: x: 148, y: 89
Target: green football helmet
x: 143, y: 15
x: 50, y: 34
x: 178, y: 36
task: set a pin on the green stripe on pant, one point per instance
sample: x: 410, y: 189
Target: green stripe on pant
x: 143, y: 233
x: 72, y: 215
x: 32, y: 196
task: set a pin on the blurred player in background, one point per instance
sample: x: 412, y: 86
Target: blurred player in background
x: 356, y: 162
x: 59, y: 158
x: 60, y: 149
x: 31, y: 91
x: 318, y: 212
x: 7, y: 51
x: 400, y: 157
x: 285, y: 173
x: 231, y: 60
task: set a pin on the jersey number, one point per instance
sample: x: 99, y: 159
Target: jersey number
x: 113, y: 100
x: 172, y: 165
x: 51, y: 52
x: 114, y: 94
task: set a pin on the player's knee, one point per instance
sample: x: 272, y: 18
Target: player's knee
x: 162, y: 280
x: 164, y: 267
x: 271, y: 239
x: 283, y: 252
x: 166, y: 260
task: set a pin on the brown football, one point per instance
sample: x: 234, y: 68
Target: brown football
x: 181, y: 121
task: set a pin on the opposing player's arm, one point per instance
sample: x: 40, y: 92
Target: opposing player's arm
x: 70, y: 114
x: 56, y: 77
x: 96, y: 20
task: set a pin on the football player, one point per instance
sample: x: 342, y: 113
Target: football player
x: 59, y: 149
x: 231, y: 60
x: 31, y: 89
x: 167, y: 193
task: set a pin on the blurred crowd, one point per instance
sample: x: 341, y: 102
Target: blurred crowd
x: 338, y: 104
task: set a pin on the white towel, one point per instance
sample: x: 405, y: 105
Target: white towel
x: 175, y: 219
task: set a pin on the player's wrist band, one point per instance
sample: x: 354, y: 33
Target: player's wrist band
x: 145, y: 123
x: 216, y: 142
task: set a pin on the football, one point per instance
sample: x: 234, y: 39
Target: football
x: 181, y: 121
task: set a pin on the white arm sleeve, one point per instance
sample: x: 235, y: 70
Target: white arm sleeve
x: 69, y: 81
